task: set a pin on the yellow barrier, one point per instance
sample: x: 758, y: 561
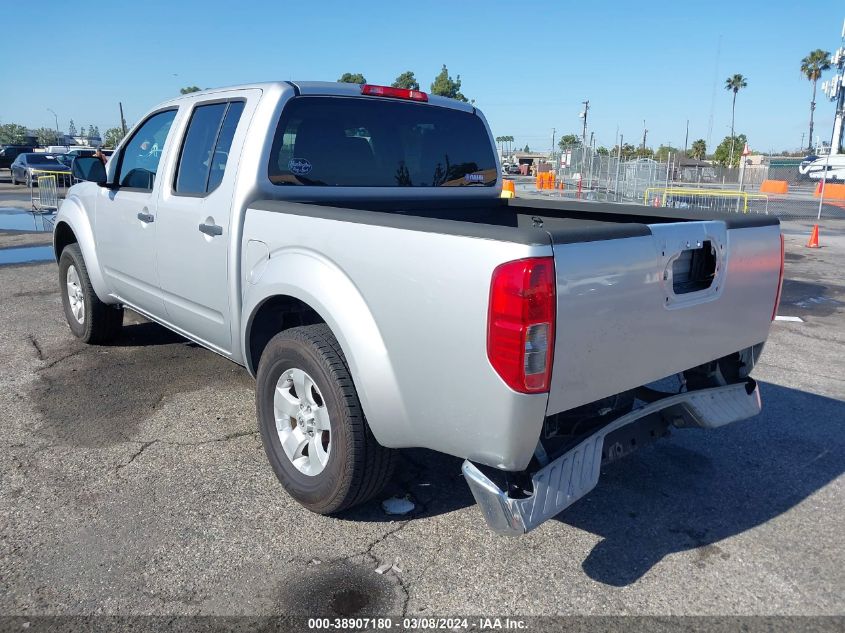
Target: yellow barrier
x: 49, y: 182
x: 704, y: 197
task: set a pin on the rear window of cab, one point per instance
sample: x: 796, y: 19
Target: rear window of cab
x: 379, y: 142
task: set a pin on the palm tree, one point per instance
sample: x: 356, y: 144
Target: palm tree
x: 735, y: 84
x: 812, y: 67
x: 699, y: 149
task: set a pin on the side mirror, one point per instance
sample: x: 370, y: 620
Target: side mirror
x: 89, y: 168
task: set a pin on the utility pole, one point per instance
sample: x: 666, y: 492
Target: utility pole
x: 553, y: 142
x: 645, y: 134
x: 56, y: 116
x: 835, y: 90
x: 802, y: 142
x: 618, y: 160
x: 686, y: 140
x: 122, y: 120
x: 586, y: 105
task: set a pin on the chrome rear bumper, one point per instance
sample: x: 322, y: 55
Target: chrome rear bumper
x: 563, y: 481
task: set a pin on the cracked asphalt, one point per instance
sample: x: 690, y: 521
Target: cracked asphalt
x: 133, y: 481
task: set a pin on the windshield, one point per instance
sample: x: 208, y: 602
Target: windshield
x: 365, y: 142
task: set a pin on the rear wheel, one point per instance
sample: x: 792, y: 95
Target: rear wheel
x: 313, y: 428
x: 88, y: 318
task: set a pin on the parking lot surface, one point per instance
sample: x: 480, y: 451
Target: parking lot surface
x: 133, y: 481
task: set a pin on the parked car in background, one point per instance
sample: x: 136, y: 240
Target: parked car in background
x: 67, y: 158
x: 26, y: 167
x: 8, y: 153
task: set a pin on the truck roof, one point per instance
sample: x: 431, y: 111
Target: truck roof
x: 322, y: 88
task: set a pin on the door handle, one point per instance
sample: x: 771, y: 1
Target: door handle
x: 146, y: 217
x: 211, y: 229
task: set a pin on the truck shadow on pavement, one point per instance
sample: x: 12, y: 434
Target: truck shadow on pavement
x: 685, y: 493
x: 700, y: 487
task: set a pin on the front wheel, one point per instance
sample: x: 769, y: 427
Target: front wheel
x: 312, y: 426
x: 88, y: 318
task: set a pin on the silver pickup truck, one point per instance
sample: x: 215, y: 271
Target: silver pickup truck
x: 349, y: 246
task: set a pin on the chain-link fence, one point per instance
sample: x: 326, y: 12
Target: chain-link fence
x: 774, y: 185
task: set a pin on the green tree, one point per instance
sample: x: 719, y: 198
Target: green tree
x: 724, y: 154
x: 406, y: 80
x: 812, y: 67
x: 628, y: 151
x: 12, y: 133
x: 698, y: 149
x: 569, y: 140
x: 112, y: 137
x: 352, y: 78
x: 734, y: 84
x: 71, y: 128
x: 189, y: 89
x: 644, y: 152
x: 445, y: 86
x: 45, y: 136
x: 662, y: 153
x: 94, y: 131
x: 526, y: 149
x: 603, y: 151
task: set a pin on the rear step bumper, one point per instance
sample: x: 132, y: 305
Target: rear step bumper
x: 563, y: 481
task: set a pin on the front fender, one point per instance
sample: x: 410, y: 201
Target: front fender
x: 317, y: 281
x: 72, y: 213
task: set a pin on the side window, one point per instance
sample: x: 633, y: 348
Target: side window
x: 192, y: 172
x: 142, y: 154
x: 224, y: 144
x: 206, y: 148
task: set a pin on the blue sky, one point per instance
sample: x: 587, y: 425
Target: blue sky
x: 527, y: 65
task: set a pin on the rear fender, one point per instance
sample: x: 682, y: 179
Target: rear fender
x: 318, y: 282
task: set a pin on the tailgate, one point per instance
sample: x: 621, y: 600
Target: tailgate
x: 637, y: 309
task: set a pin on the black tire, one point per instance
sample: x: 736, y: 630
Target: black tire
x: 100, y: 322
x: 12, y: 176
x: 358, y: 467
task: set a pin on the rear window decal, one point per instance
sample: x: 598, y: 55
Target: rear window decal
x: 299, y: 166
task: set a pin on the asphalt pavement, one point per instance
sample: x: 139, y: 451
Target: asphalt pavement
x: 133, y: 481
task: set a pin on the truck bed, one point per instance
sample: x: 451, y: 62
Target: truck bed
x: 568, y: 221
x: 626, y: 314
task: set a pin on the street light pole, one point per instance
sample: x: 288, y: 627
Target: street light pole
x: 57, y: 122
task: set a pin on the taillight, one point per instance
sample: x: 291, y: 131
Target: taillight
x: 780, y: 280
x: 521, y: 323
x: 393, y: 93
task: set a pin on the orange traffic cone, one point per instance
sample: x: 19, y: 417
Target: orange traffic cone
x: 814, y: 237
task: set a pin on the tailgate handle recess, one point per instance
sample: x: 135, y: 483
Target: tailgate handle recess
x: 694, y: 269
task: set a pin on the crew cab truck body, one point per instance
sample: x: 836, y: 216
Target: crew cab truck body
x: 348, y: 245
